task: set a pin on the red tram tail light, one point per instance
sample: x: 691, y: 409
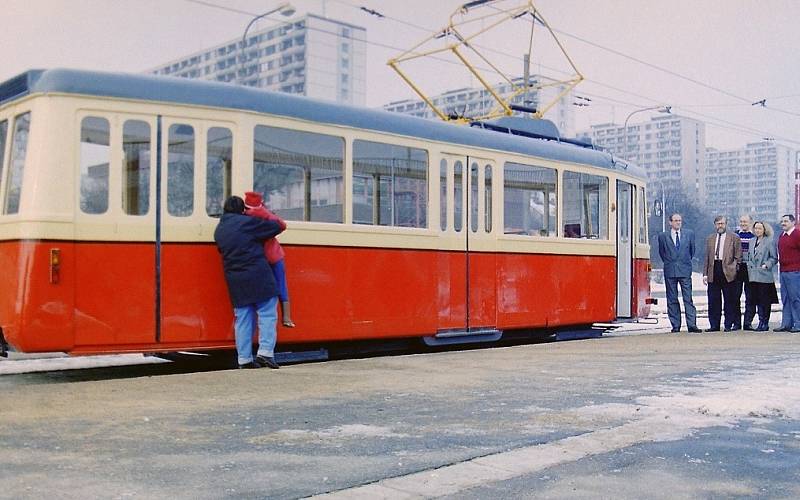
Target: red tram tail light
x: 55, y: 265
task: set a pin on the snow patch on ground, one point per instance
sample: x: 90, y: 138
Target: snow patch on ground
x: 52, y: 362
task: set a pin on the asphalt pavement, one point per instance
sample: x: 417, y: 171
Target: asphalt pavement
x: 639, y: 414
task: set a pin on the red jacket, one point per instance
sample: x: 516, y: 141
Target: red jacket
x: 789, y: 251
x: 272, y: 248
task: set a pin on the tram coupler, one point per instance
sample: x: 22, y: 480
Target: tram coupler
x: 3, y: 345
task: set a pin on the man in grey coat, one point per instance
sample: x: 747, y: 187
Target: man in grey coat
x: 676, y: 248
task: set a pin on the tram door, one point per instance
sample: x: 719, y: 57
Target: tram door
x: 114, y: 270
x: 467, y: 263
x: 624, y: 249
x: 194, y: 179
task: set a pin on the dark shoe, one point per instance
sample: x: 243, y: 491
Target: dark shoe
x: 267, y: 362
x: 794, y: 330
x: 251, y: 364
x: 781, y: 329
x: 711, y: 330
x: 733, y: 329
x: 694, y: 329
x: 762, y: 328
x: 749, y: 328
x: 675, y: 330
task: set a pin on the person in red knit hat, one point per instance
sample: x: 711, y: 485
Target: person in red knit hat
x: 254, y: 207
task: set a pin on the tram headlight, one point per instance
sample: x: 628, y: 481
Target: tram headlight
x: 55, y: 265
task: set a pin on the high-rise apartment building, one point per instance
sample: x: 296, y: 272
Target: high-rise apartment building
x: 311, y: 56
x: 471, y: 102
x: 758, y: 179
x: 670, y: 148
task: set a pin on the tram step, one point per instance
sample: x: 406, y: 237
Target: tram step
x: 580, y: 333
x: 301, y: 356
x: 470, y: 336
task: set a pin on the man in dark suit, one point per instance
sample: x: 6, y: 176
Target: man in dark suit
x: 251, y: 284
x: 723, y: 256
x: 676, y: 248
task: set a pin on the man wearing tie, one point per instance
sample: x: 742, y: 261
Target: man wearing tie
x: 723, y: 255
x: 789, y: 259
x: 676, y: 248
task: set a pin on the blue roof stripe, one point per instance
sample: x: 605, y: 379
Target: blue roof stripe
x: 223, y: 95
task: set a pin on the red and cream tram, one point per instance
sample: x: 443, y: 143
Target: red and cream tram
x: 111, y: 185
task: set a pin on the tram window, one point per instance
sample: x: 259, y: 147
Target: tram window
x: 219, y: 146
x: 642, y: 217
x: 19, y: 146
x: 473, y: 197
x: 136, y: 173
x: 396, y: 184
x: 443, y: 194
x: 180, y: 171
x: 458, y: 196
x: 487, y: 190
x: 3, y: 134
x: 301, y: 174
x: 585, y: 206
x: 530, y: 201
x: 95, y: 157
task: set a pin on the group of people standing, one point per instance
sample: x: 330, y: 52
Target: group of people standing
x: 735, y: 262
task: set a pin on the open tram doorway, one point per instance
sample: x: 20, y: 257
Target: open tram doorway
x: 624, y: 249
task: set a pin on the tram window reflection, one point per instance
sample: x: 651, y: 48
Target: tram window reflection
x: 19, y: 147
x: 136, y: 174
x: 487, y: 190
x: 458, y: 196
x: 3, y: 135
x: 301, y: 174
x: 473, y: 197
x: 395, y: 180
x: 180, y: 171
x: 95, y: 156
x: 443, y: 194
x: 585, y: 206
x: 530, y: 200
x: 642, y: 217
x: 219, y: 157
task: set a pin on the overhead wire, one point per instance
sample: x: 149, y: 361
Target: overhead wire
x: 730, y: 125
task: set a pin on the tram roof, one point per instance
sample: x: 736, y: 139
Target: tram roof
x: 224, y: 95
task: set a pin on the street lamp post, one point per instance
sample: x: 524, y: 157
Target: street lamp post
x: 660, y: 109
x: 285, y: 9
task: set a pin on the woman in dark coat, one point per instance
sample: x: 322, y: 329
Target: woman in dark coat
x: 761, y: 259
x: 251, y: 284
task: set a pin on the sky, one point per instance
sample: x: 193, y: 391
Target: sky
x: 708, y: 59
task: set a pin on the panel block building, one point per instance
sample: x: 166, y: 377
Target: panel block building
x: 670, y: 148
x: 758, y: 179
x: 311, y: 56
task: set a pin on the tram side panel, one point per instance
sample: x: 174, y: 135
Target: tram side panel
x: 36, y: 309
x: 114, y: 295
x: 641, y: 288
x: 195, y: 308
x: 347, y: 293
x: 539, y: 290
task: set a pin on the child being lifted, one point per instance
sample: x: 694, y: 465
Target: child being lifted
x: 254, y: 206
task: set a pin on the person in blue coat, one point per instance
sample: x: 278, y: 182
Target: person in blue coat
x: 676, y: 248
x: 251, y: 284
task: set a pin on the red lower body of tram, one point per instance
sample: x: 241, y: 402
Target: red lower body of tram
x: 100, y: 297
